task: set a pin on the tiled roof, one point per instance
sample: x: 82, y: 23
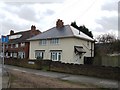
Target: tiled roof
x: 25, y: 35
x: 66, y: 31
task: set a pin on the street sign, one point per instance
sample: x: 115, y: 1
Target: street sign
x: 4, y: 39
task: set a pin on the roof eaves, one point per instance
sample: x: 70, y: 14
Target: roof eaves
x: 83, y: 38
x: 51, y: 38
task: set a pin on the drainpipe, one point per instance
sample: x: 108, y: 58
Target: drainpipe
x: 91, y: 49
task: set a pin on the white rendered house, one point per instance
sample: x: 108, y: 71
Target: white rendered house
x: 62, y: 43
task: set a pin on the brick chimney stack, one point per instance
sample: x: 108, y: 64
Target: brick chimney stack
x: 11, y: 32
x: 59, y: 23
x: 33, y: 27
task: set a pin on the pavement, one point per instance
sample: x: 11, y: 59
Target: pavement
x: 0, y: 76
x: 103, y: 83
x: 5, y: 78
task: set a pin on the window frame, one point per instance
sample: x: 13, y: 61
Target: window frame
x: 21, y: 55
x: 43, y: 42
x: 11, y: 54
x: 6, y: 46
x: 12, y: 46
x: 54, y: 41
x: 56, y: 55
x: 22, y: 44
x: 39, y: 53
x: 16, y: 45
x: 15, y: 55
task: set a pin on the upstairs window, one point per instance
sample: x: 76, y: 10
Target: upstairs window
x: 54, y: 41
x: 15, y: 36
x: 16, y: 45
x: 43, y: 42
x: 22, y: 44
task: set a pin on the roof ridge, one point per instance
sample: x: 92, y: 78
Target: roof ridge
x: 52, y: 28
x: 66, y: 31
x: 71, y: 30
x: 20, y: 32
x: 46, y: 31
x: 86, y: 36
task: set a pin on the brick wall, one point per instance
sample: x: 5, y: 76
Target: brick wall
x: 97, y: 71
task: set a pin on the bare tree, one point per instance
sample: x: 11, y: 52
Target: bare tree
x: 106, y: 38
x: 107, y: 44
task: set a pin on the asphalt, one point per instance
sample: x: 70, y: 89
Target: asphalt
x: 0, y: 76
x: 5, y: 78
x: 103, y: 83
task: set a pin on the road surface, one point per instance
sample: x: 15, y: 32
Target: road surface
x: 104, y: 83
x: 4, y: 78
x: 0, y: 76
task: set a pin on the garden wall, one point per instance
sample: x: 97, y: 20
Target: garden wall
x: 89, y: 70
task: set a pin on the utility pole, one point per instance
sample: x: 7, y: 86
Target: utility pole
x: 4, y: 40
x: 3, y: 55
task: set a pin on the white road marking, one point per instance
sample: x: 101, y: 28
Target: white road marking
x: 19, y: 70
x: 110, y: 83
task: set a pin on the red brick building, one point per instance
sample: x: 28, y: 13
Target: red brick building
x: 18, y: 45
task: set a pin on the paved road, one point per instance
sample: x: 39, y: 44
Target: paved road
x: 0, y: 73
x: 4, y: 78
x: 106, y: 83
x: 0, y: 76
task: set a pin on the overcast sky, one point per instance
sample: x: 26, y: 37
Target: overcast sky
x: 99, y: 16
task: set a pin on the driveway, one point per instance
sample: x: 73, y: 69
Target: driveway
x: 105, y: 83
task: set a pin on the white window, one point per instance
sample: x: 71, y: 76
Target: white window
x: 16, y: 45
x: 15, y: 55
x: 56, y: 55
x: 11, y: 45
x: 54, y: 41
x: 6, y: 54
x: 11, y: 55
x: 15, y: 36
x: 21, y: 55
x: 43, y: 42
x: 6, y: 46
x: 22, y: 44
x: 39, y: 54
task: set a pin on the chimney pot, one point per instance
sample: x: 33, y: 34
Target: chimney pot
x: 11, y: 32
x: 59, y: 23
x: 33, y: 27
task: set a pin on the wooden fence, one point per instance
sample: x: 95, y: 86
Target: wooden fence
x: 113, y: 61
